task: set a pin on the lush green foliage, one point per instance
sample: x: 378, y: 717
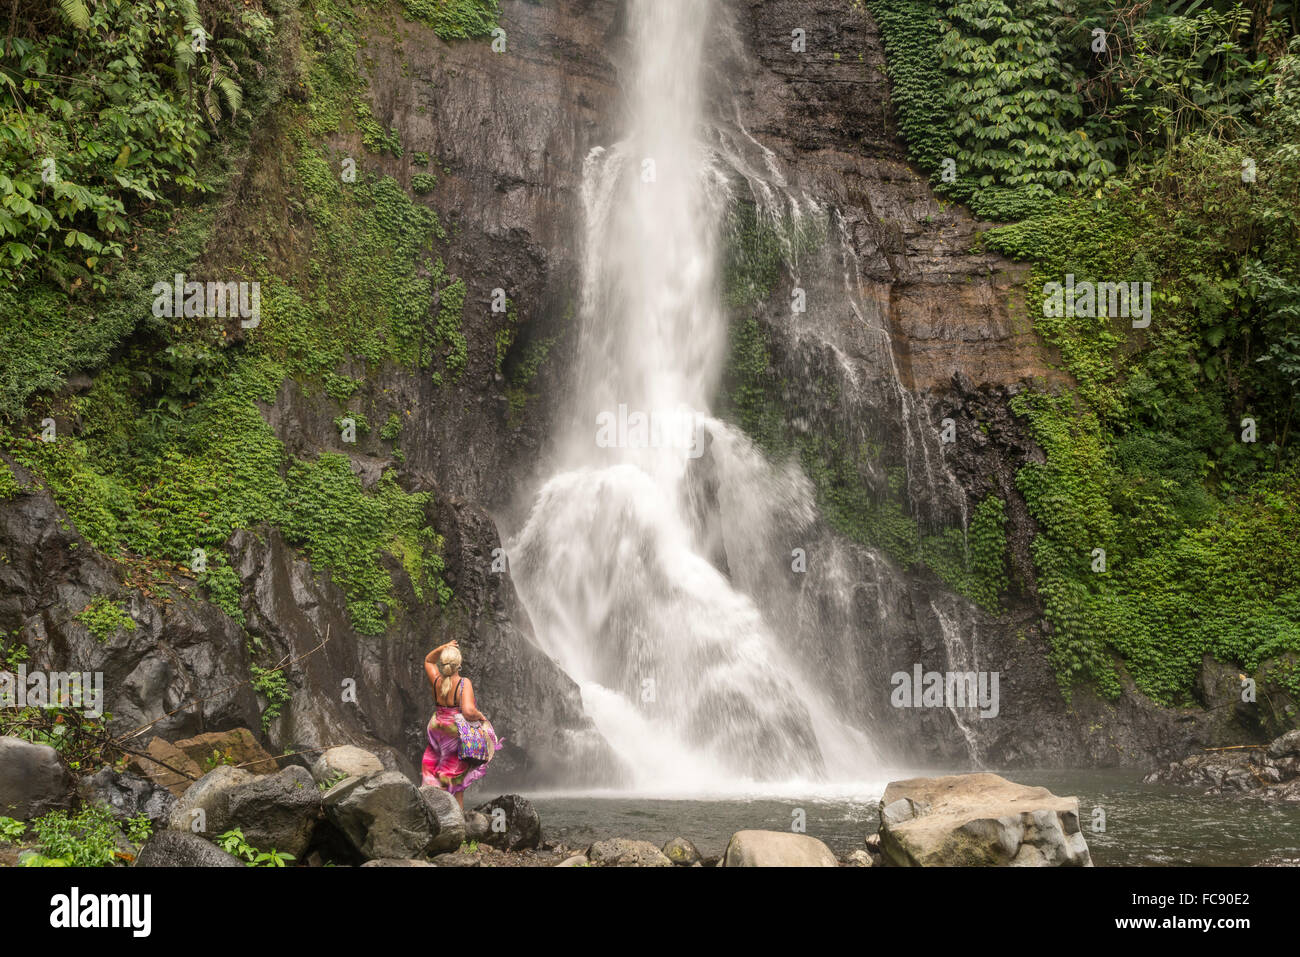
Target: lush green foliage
x: 1143, y: 143
x: 102, y: 125
x: 169, y: 453
x: 1024, y: 100
x: 1011, y: 87
x: 88, y: 838
x: 9, y: 486
x: 272, y: 685
x: 455, y: 19
x: 1152, y: 460
x: 104, y: 618
x: 76, y: 152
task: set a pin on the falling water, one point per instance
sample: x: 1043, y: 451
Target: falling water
x: 623, y: 560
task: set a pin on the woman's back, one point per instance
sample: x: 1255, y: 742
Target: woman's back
x: 453, y: 696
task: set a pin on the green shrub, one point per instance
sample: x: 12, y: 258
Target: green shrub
x: 104, y: 618
x: 454, y: 19
x: 85, y: 839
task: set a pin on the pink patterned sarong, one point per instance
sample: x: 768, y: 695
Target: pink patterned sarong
x: 443, y: 766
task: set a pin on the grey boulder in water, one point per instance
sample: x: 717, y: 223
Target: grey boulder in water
x: 979, y: 820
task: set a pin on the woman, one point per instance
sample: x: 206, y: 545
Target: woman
x: 457, y: 714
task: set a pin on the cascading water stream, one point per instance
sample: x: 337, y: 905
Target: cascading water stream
x: 679, y: 669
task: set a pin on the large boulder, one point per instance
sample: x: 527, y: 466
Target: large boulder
x: 513, y: 823
x: 621, y: 852
x: 1285, y: 746
x: 344, y: 761
x: 127, y: 795
x: 776, y: 849
x: 382, y: 816
x: 33, y: 780
x: 183, y: 849
x: 447, y: 819
x: 979, y: 819
x: 167, y: 766
x: 207, y: 795
x: 274, y: 811
x: 236, y: 747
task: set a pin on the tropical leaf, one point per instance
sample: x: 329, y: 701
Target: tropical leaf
x: 76, y: 13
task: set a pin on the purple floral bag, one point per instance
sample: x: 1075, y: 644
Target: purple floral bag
x: 477, y: 739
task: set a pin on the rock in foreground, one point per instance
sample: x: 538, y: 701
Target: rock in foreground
x: 513, y: 824
x: 275, y: 811
x: 683, y: 852
x: 183, y: 849
x: 127, y: 795
x: 445, y: 819
x: 383, y: 816
x: 33, y: 780
x: 979, y: 819
x: 344, y: 761
x: 776, y: 849
x: 622, y: 852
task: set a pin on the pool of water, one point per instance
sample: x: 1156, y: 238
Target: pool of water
x: 1145, y: 825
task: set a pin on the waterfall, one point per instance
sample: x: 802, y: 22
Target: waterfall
x: 650, y: 553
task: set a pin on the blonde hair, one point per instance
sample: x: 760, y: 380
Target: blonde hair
x: 448, y: 666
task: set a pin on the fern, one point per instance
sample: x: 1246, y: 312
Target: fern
x: 76, y: 13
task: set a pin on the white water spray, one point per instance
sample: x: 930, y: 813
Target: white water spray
x: 617, y: 567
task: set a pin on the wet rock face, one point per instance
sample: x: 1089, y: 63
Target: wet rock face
x: 303, y: 616
x: 508, y: 134
x: 189, y: 652
x: 826, y: 115
x: 907, y: 325
x: 177, y: 652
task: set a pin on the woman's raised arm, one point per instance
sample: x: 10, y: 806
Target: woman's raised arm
x: 431, y: 662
